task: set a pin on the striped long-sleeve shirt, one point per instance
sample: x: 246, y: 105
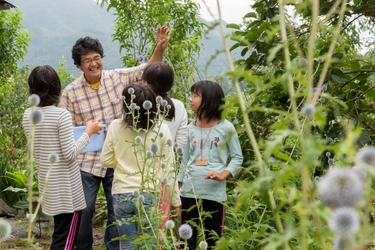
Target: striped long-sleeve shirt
x: 60, y: 183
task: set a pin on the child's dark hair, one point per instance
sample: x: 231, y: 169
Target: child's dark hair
x: 142, y: 93
x: 160, y: 77
x: 212, y: 99
x: 85, y: 45
x: 45, y: 82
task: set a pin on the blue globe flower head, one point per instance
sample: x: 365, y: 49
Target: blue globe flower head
x: 169, y: 224
x: 138, y: 139
x: 328, y: 154
x: 344, y: 221
x: 133, y: 106
x: 331, y: 161
x: 169, y: 142
x: 53, y: 158
x: 315, y: 89
x: 136, y: 193
x: 147, y: 105
x: 152, y: 29
x: 322, y: 100
x: 130, y: 91
x: 308, y: 110
x: 36, y: 116
x: 5, y: 230
x: 163, y: 165
x: 154, y: 147
x: 320, y: 59
x: 34, y: 100
x: 324, y: 87
x: 140, y: 198
x: 179, y: 151
x: 149, y: 154
x: 365, y: 156
x: 340, y: 187
x: 164, y: 180
x: 185, y: 231
x: 161, y: 134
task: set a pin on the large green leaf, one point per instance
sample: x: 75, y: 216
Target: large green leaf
x: 337, y: 76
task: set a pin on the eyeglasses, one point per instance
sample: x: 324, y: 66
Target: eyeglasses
x: 89, y: 60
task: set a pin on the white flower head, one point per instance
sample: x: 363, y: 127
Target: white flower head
x: 133, y: 106
x: 159, y: 99
x: 163, y: 165
x: 136, y: 193
x: 34, y: 100
x: 36, y: 116
x: 185, y: 231
x: 154, y: 147
x: 340, y: 187
x: 138, y: 139
x: 165, y: 180
x: 147, y: 105
x: 365, y: 155
x: 169, y: 224
x: 164, y: 103
x: 5, y: 230
x: 141, y: 198
x: 161, y: 134
x: 203, y: 245
x: 308, y: 110
x: 169, y: 142
x: 179, y: 151
x: 169, y: 107
x: 130, y: 91
x: 344, y: 221
x: 53, y: 158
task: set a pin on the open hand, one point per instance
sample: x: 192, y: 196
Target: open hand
x: 162, y: 37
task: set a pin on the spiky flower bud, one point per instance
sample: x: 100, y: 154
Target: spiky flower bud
x: 203, y: 245
x: 149, y: 154
x: 141, y: 198
x: 138, y: 139
x: 164, y: 103
x: 136, y: 193
x: 169, y: 142
x: 179, y: 151
x: 169, y: 224
x: 159, y: 99
x: 154, y: 147
x: 5, y: 230
x: 340, y: 187
x: 34, y: 100
x: 130, y: 91
x: 165, y: 180
x: 344, y: 221
x: 147, y: 105
x: 36, y: 116
x: 133, y: 106
x: 53, y: 158
x: 308, y: 110
x: 185, y: 231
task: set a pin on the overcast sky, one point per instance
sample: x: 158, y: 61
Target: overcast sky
x: 232, y: 11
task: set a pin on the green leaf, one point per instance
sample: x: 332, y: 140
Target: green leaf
x: 233, y: 26
x: 250, y: 14
x: 337, y: 76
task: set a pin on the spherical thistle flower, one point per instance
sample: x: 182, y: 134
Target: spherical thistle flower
x: 322, y: 100
x: 130, y: 91
x: 308, y: 110
x: 138, y: 108
x: 365, y: 156
x: 161, y: 135
x: 328, y: 154
x: 34, y: 100
x: 203, y: 245
x: 133, y: 106
x: 169, y: 106
x: 179, y: 151
x: 340, y: 187
x: 163, y: 165
x: 331, y: 161
x: 164, y: 180
x: 169, y: 224
x: 344, y: 221
x: 5, y: 230
x: 152, y: 29
x: 185, y: 231
x: 138, y: 139
x: 159, y: 99
x: 360, y: 172
x: 320, y: 59
x: 175, y: 145
x: 169, y: 142
x: 147, y: 105
x: 149, y: 154
x: 53, y: 158
x: 324, y: 87
x: 154, y: 147
x: 136, y: 193
x: 164, y: 103
x: 315, y: 89
x: 36, y: 116
x: 329, y: 141
x: 140, y: 198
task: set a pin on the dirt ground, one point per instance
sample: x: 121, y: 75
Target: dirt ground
x: 43, y: 234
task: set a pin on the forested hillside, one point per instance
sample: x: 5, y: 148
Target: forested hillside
x: 55, y: 26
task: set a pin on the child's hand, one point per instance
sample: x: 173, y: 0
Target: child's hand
x: 162, y: 38
x: 213, y: 175
x: 93, y: 128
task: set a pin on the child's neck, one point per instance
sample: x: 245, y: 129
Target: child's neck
x: 205, y: 124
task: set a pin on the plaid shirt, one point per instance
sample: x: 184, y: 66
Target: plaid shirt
x: 103, y: 104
